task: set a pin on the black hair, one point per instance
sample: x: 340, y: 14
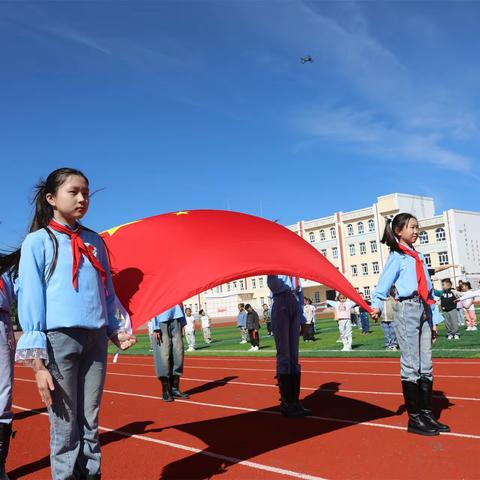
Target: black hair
x: 241, y: 305
x: 468, y: 285
x: 43, y: 213
x: 247, y: 306
x: 201, y: 312
x: 398, y: 223
x: 447, y: 280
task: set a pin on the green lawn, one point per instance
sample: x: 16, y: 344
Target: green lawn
x: 226, y: 343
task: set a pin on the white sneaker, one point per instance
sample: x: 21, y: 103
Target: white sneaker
x: 256, y: 349
x: 474, y: 329
x: 450, y: 337
x: 251, y: 349
x: 347, y: 349
x: 456, y: 337
x: 243, y: 341
x: 191, y: 349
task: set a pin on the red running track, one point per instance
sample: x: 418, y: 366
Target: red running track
x: 231, y: 426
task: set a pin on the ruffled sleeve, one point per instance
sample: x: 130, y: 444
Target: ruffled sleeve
x: 31, y: 301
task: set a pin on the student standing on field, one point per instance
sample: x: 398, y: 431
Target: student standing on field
x: 206, y: 327
x: 242, y: 322
x: 267, y: 318
x: 448, y: 302
x: 167, y: 335
x: 407, y: 270
x: 253, y: 326
x: 190, y: 329
x: 67, y: 310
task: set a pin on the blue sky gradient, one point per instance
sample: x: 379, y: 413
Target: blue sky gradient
x: 182, y: 105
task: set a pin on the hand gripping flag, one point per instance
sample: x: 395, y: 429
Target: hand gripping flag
x: 160, y: 261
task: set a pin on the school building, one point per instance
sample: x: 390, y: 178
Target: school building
x: 351, y: 242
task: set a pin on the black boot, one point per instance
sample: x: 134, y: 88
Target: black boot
x: 287, y: 401
x: 167, y: 394
x: 425, y: 387
x: 175, y: 388
x: 416, y: 423
x: 296, y: 381
x: 5, y: 434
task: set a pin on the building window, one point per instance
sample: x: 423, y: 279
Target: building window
x: 440, y: 234
x: 312, y: 237
x: 373, y: 246
x: 228, y: 287
x: 322, y: 235
x: 363, y: 248
x: 354, y: 270
x: 316, y: 297
x: 260, y: 282
x: 333, y: 233
x: 375, y: 268
x: 371, y: 226
x: 254, y: 283
x: 364, y: 269
x: 349, y: 229
x: 351, y: 249
x: 423, y: 236
x: 366, y: 292
x: 262, y: 300
x: 323, y: 251
x: 335, y: 252
x: 428, y: 259
x: 360, y: 228
x: 443, y: 258
x: 242, y: 286
x: 234, y: 285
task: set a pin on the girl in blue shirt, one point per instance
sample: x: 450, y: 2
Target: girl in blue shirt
x: 407, y: 270
x: 66, y: 306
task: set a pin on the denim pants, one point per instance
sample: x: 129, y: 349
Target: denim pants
x: 389, y: 334
x: 7, y: 356
x: 168, y: 354
x: 77, y: 361
x: 365, y: 322
x: 413, y: 327
x: 286, y: 320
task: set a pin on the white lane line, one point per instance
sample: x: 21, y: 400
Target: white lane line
x: 218, y: 456
x: 310, y: 389
x: 273, y: 412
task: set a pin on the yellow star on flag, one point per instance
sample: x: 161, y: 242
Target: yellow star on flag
x: 113, y: 230
x: 182, y: 213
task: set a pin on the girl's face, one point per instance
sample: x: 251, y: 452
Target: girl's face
x: 409, y: 233
x: 342, y: 298
x: 70, y: 202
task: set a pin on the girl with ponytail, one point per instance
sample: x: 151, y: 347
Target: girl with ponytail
x: 407, y: 270
x: 66, y: 306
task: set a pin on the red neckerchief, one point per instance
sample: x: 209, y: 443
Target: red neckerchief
x: 79, y: 248
x: 2, y: 287
x: 421, y: 277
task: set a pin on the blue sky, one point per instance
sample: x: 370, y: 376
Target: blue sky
x: 181, y: 105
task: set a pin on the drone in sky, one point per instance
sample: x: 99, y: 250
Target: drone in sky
x: 307, y: 59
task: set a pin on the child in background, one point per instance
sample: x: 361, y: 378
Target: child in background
x: 267, y: 318
x: 242, y: 322
x: 387, y: 321
x: 253, y: 325
x: 364, y: 320
x: 448, y: 300
x: 343, y: 309
x: 407, y: 270
x: 309, y: 312
x: 7, y: 358
x: 460, y: 309
x: 67, y: 310
x: 190, y: 329
x: 206, y: 326
x: 467, y: 298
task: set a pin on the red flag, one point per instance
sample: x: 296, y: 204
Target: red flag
x: 161, y: 261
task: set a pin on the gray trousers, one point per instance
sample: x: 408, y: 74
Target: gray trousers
x: 452, y: 321
x: 413, y: 327
x: 77, y: 361
x: 168, y: 353
x: 286, y: 321
x: 7, y: 357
